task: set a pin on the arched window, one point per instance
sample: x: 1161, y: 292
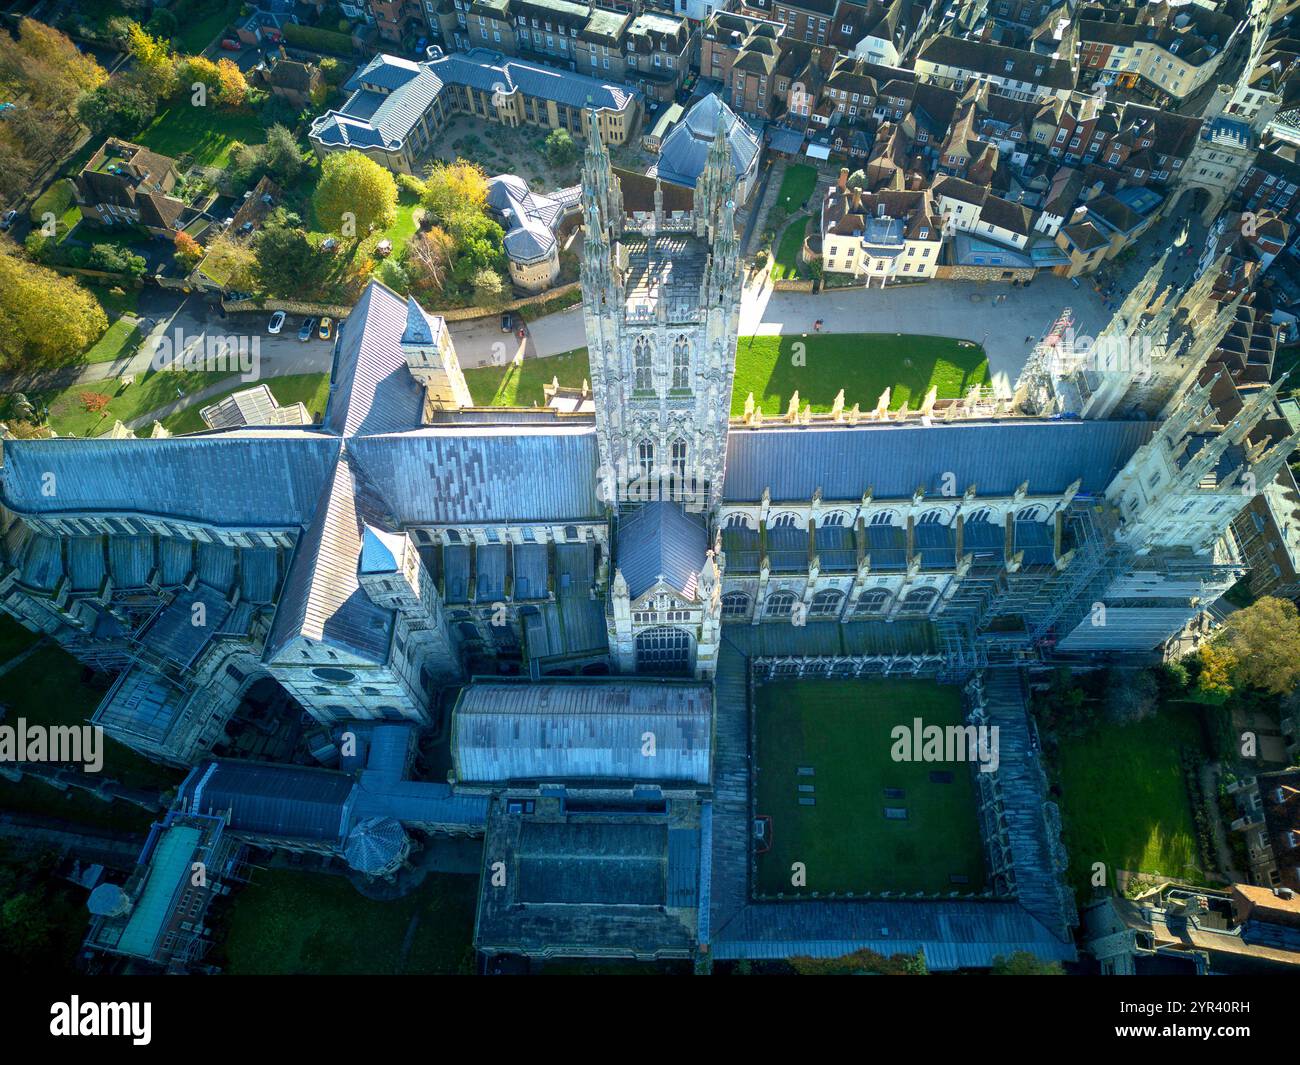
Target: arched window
x: 663, y: 650
x: 646, y: 458
x: 982, y: 514
x: 735, y: 605
x: 641, y: 358
x: 835, y: 519
x: 882, y: 517
x: 782, y: 521
x: 1034, y: 513
x: 679, y: 458
x: 779, y: 605
x: 738, y: 521
x: 682, y: 363
x: 931, y: 517
x: 826, y: 604
x: 919, y: 600
x: 873, y: 601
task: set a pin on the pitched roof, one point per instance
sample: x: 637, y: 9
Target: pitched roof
x: 661, y: 542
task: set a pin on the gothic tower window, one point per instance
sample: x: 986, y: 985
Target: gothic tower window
x: 679, y: 458
x: 644, y: 380
x: 681, y: 363
x: 646, y: 458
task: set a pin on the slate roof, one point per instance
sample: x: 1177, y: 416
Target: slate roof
x: 684, y: 151
x: 661, y: 542
x: 896, y: 459
x: 268, y: 799
x: 582, y: 731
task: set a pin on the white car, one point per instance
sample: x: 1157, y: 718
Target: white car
x: 276, y: 323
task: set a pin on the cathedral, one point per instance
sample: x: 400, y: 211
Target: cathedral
x: 412, y: 540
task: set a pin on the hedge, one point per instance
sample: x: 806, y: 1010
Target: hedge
x: 319, y: 40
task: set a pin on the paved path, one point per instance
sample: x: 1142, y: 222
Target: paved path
x: 481, y: 342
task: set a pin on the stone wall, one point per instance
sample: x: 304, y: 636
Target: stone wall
x: 985, y: 273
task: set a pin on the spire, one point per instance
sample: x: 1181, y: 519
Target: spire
x: 713, y: 188
x: 599, y: 185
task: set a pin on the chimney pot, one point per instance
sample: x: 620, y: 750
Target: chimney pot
x: 844, y: 178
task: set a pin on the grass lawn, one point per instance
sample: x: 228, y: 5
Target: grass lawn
x: 120, y: 340
x: 797, y: 186
x: 785, y: 264
x: 863, y: 364
x: 288, y: 921
x: 842, y: 730
x: 309, y: 388
x: 14, y: 639
x: 47, y: 689
x: 520, y: 385
x: 69, y: 417
x: 1123, y: 799
x: 205, y: 21
x: 205, y: 133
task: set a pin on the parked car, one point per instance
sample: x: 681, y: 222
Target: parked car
x: 326, y: 324
x: 507, y: 323
x: 8, y: 219
x: 329, y: 244
x: 230, y: 44
x: 276, y: 323
x: 308, y: 328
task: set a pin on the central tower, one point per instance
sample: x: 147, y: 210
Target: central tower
x: 661, y: 302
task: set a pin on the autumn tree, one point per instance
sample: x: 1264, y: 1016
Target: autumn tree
x: 94, y: 402
x: 44, y: 317
x: 1263, y: 641
x: 154, y: 61
x: 455, y: 189
x: 50, y: 67
x: 232, y: 87
x: 355, y: 195
x: 427, y: 259
x: 189, y: 252
x: 231, y: 263
x: 1215, y: 663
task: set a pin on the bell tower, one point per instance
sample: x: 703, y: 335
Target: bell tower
x: 662, y: 310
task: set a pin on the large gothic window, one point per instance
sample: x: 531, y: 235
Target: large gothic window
x: 779, y: 605
x: 646, y: 458
x: 644, y: 377
x: 679, y: 458
x: 826, y: 604
x: 735, y: 605
x: 873, y: 601
x: 682, y: 363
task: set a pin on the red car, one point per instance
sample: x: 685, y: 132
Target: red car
x: 232, y: 45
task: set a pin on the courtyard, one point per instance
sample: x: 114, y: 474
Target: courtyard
x: 837, y: 802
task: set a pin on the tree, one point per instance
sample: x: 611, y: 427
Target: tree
x: 94, y: 402
x: 154, y: 60
x: 233, y: 88
x: 189, y: 252
x: 333, y: 70
x: 559, y: 147
x: 1023, y: 963
x: 1131, y: 695
x: 1216, y: 663
x: 453, y: 190
x: 283, y: 155
x: 162, y: 24
x: 15, y: 169
x: 117, y: 108
x: 427, y: 258
x: 1265, y: 640
x: 288, y: 264
x: 194, y: 70
x: 354, y: 195
x: 43, y: 317
x: 50, y: 66
x: 489, y: 288
x: 111, y: 258
x: 231, y: 264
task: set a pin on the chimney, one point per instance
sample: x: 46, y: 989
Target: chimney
x: 844, y: 178
x: 857, y: 199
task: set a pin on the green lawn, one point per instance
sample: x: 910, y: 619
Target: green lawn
x: 69, y: 417
x: 47, y: 689
x: 206, y: 133
x: 120, y: 340
x: 796, y: 186
x: 863, y: 364
x: 520, y: 385
x: 786, y: 262
x: 292, y: 922
x: 206, y: 19
x: 309, y: 388
x: 1123, y: 799
x: 841, y: 729
x: 14, y: 639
